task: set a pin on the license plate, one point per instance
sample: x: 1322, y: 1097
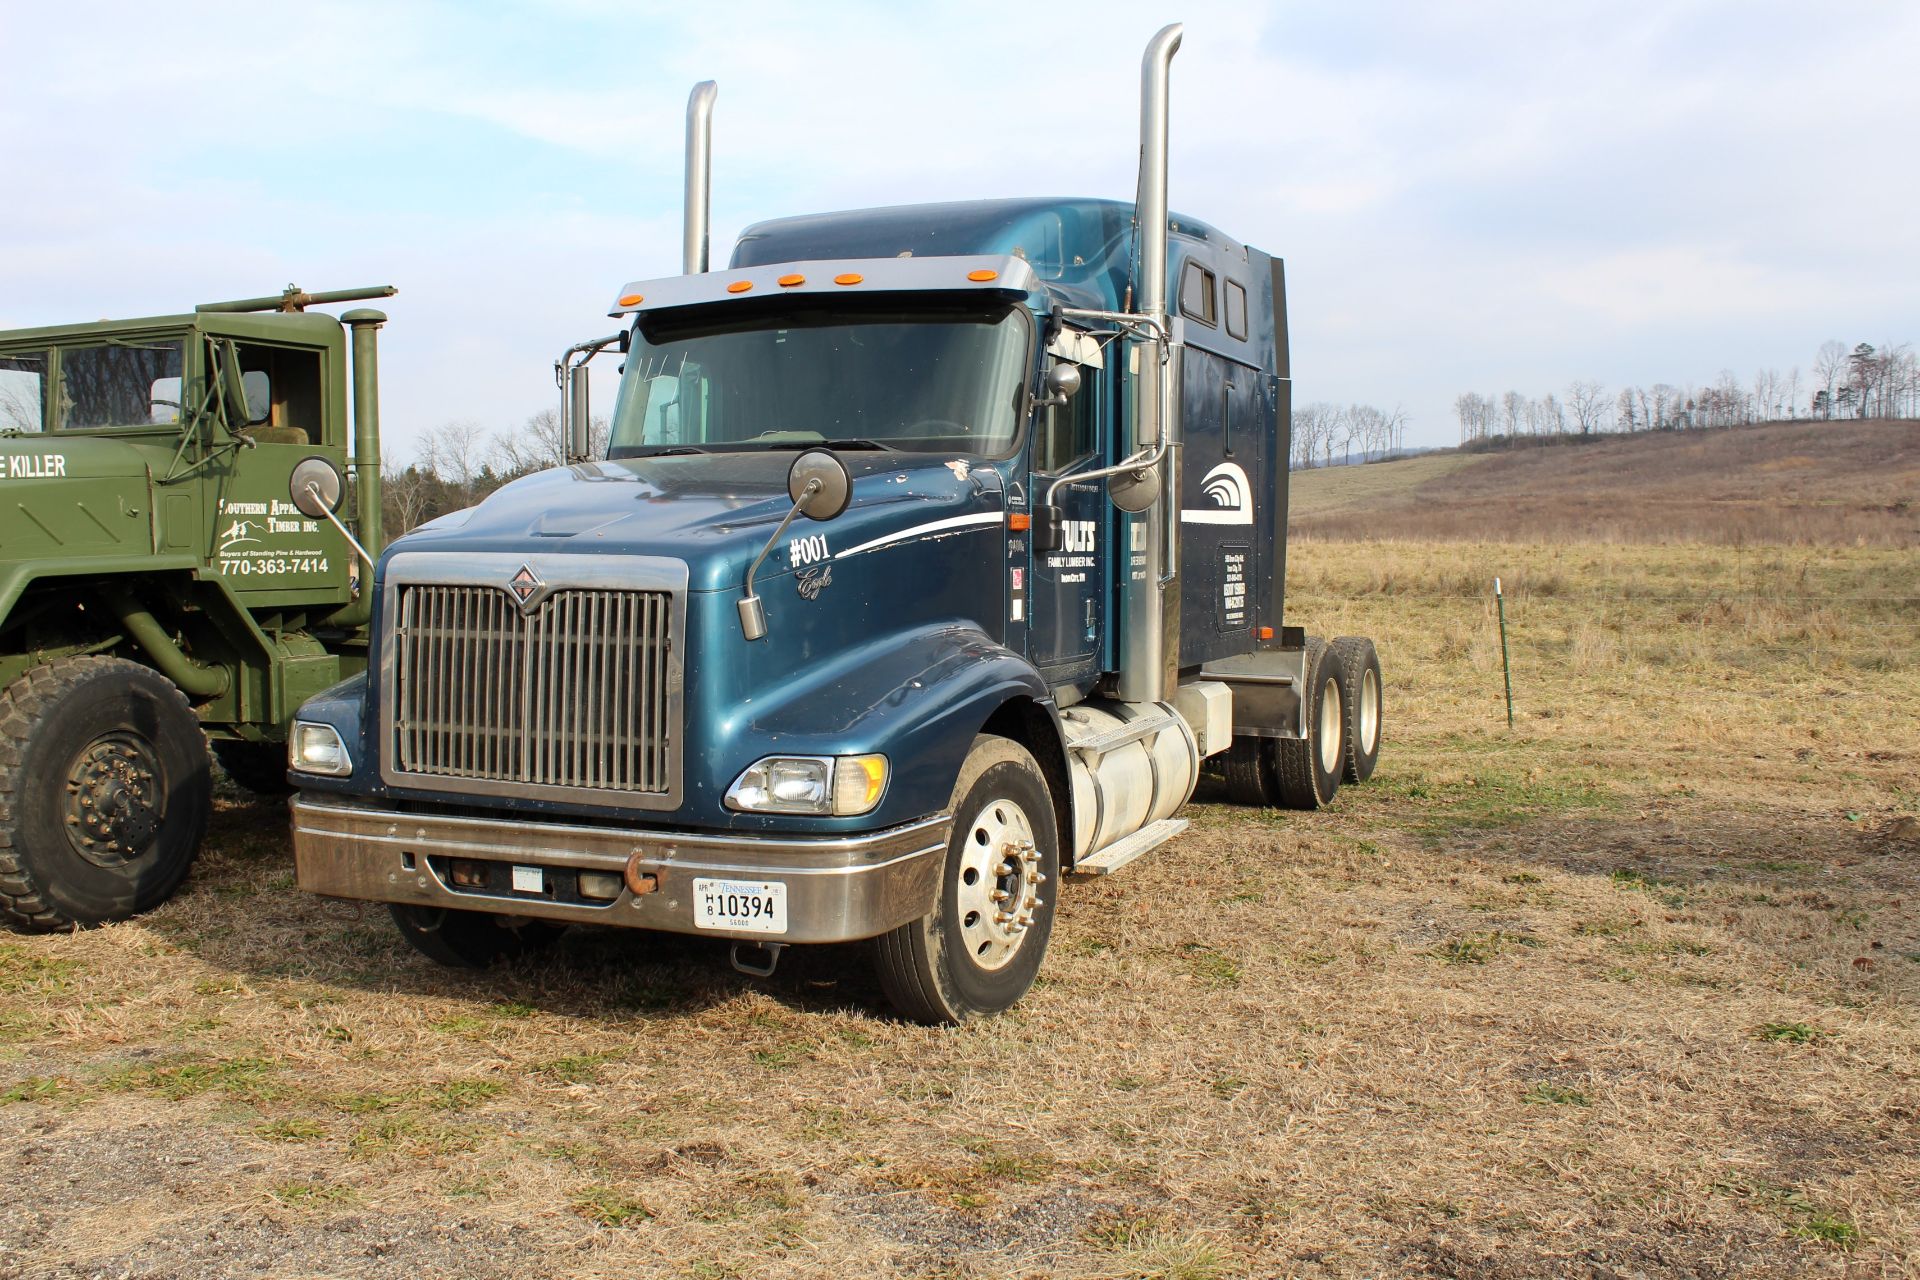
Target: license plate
x: 529, y: 880
x: 746, y: 906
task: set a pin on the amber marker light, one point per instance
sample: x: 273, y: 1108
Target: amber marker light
x: 849, y: 277
x: 740, y: 286
x: 632, y: 299
x: 1264, y: 633
x: 1019, y: 523
x: 983, y: 275
x: 787, y: 282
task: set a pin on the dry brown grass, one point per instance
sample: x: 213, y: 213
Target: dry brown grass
x: 1824, y: 483
x: 1628, y: 991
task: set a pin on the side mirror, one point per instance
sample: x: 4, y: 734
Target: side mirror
x: 315, y: 487
x: 1046, y: 529
x: 829, y: 497
x: 233, y: 388
x: 579, y: 419
x: 820, y: 486
x: 1063, y: 384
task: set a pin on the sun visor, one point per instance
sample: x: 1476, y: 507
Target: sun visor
x: 1004, y: 274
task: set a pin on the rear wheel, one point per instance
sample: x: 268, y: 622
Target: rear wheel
x: 105, y: 786
x: 260, y: 767
x: 1308, y: 768
x: 977, y: 951
x: 1247, y: 769
x: 471, y: 939
x: 1364, y: 706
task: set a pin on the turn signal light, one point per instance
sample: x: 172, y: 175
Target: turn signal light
x: 1263, y: 633
x: 1020, y: 522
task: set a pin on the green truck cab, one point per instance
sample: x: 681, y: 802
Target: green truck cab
x: 184, y: 524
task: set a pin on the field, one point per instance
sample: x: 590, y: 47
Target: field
x: 1631, y: 989
x: 1798, y: 483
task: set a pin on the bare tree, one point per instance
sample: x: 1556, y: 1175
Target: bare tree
x: 1828, y: 366
x: 1586, y: 403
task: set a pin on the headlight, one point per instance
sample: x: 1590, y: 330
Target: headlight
x: 836, y: 785
x: 317, y: 748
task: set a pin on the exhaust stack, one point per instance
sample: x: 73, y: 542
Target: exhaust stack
x: 699, y: 175
x: 1143, y: 637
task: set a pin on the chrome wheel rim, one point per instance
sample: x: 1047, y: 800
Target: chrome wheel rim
x: 1331, y: 711
x: 1369, y: 711
x: 998, y: 883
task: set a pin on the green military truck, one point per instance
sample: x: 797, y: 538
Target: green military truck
x: 183, y: 560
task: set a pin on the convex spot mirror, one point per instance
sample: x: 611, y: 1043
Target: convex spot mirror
x: 311, y: 476
x: 833, y: 492
x: 1063, y: 384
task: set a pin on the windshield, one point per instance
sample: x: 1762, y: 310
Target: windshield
x: 917, y: 381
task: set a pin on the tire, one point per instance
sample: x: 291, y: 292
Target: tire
x: 1247, y: 769
x: 1364, y: 706
x: 959, y: 961
x: 471, y: 939
x: 105, y: 786
x: 259, y: 767
x: 1308, y: 769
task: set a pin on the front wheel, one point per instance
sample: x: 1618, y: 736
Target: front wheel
x: 471, y: 939
x: 260, y: 767
x: 977, y: 952
x: 105, y: 787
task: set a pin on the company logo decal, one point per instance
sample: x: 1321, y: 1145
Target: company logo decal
x: 810, y: 582
x: 1232, y: 497
x: 525, y: 584
x: 236, y: 533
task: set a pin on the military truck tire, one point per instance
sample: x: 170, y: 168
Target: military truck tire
x: 1364, y: 706
x: 105, y: 784
x: 1308, y: 769
x: 1247, y: 769
x: 960, y: 961
x: 259, y: 767
x: 471, y: 939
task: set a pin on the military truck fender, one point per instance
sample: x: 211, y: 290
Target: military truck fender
x: 942, y: 686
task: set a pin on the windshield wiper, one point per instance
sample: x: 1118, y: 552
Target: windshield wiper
x: 850, y: 442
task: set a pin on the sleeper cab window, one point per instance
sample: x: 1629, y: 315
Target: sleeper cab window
x: 1196, y: 295
x: 1236, y: 311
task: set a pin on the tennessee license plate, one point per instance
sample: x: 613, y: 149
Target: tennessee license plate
x: 747, y: 906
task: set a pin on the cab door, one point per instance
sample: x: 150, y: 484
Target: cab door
x: 1069, y: 591
x: 261, y: 544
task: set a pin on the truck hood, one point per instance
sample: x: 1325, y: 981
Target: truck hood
x: 715, y: 511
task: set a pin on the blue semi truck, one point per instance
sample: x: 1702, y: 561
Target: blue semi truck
x: 934, y: 553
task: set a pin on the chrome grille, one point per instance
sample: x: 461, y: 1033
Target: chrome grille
x: 574, y: 693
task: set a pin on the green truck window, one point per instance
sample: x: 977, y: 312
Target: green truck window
x: 23, y: 391
x: 114, y: 385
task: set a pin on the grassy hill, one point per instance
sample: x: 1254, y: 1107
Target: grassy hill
x: 1831, y: 483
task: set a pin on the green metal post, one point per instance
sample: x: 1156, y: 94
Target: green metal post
x: 366, y: 322
x: 1506, y: 666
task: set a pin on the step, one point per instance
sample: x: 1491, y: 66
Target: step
x: 1121, y: 734
x: 1125, y: 850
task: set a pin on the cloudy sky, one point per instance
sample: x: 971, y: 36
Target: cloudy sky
x: 1470, y: 195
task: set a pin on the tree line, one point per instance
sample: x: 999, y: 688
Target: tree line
x: 1862, y: 381
x: 1323, y: 432
x: 458, y: 463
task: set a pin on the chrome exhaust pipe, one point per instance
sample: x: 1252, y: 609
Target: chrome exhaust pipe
x: 693, y: 258
x: 1145, y: 637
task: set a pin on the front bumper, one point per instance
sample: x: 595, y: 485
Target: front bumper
x: 839, y: 888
